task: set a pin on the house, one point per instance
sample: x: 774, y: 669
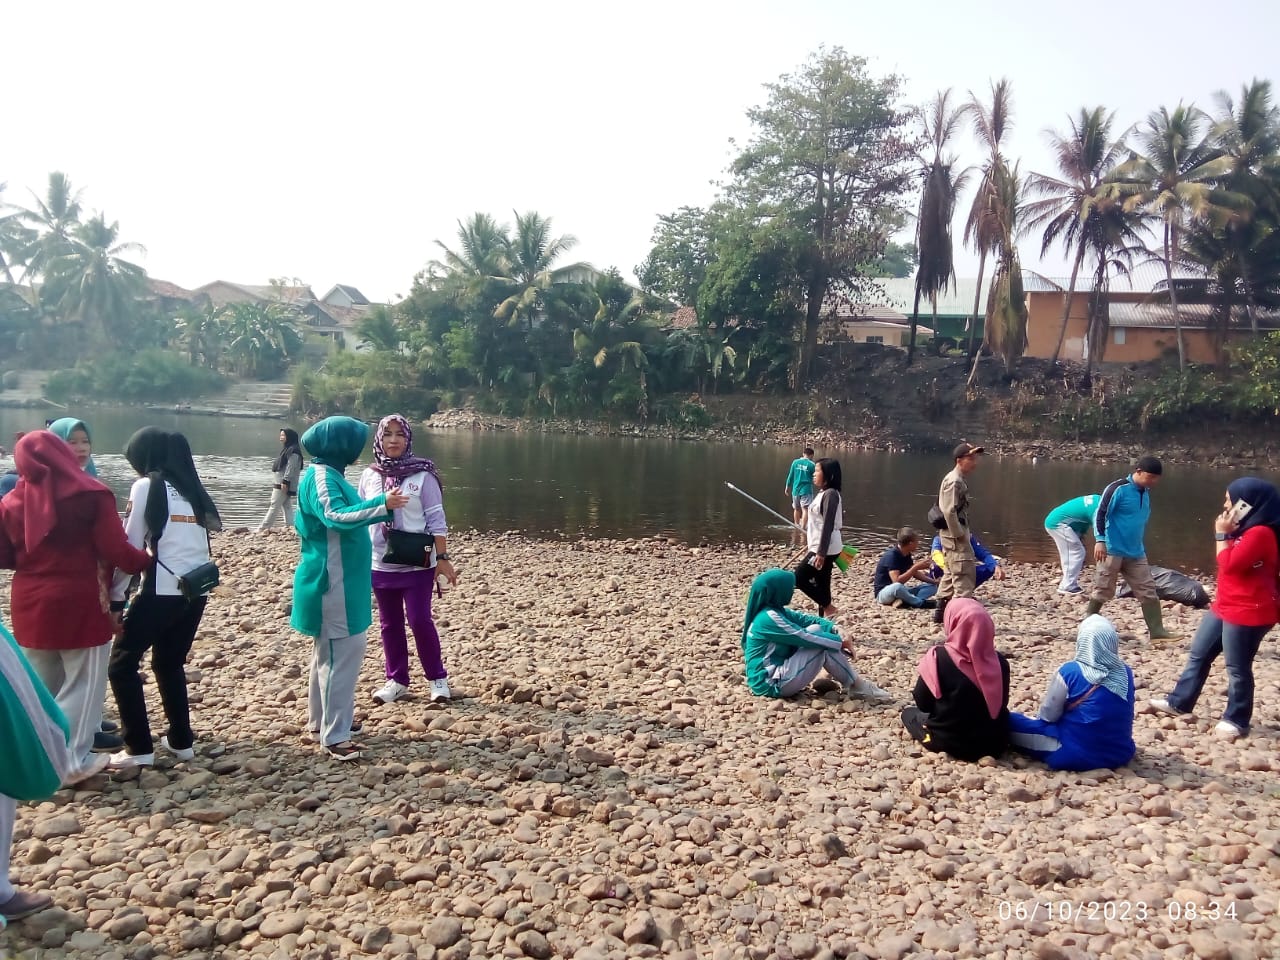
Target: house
x: 346, y: 296
x: 223, y: 292
x: 869, y: 323
x: 955, y: 306
x: 171, y: 298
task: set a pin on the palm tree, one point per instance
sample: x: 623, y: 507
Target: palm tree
x: 481, y: 252
x: 54, y: 220
x: 378, y: 329
x: 981, y: 229
x: 260, y: 338
x: 1174, y: 180
x: 1087, y: 157
x: 202, y: 329
x: 530, y: 254
x: 942, y: 183
x: 14, y: 237
x: 90, y: 280
x: 1006, y: 323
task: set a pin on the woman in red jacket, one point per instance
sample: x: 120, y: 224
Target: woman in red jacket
x: 60, y: 531
x: 1245, y: 608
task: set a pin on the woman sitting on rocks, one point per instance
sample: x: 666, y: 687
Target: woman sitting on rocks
x: 785, y: 649
x: 962, y: 693
x: 1086, y: 718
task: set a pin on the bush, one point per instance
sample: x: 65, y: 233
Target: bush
x: 364, y: 385
x: 156, y: 375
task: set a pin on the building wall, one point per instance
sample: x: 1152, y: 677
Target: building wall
x: 1151, y: 343
x: 339, y: 298
x: 1124, y: 344
x: 890, y: 336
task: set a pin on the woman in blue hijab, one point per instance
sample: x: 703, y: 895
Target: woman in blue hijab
x: 76, y: 433
x: 1244, y: 609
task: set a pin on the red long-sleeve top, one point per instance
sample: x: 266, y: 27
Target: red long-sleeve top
x: 1247, y: 588
x: 58, y: 598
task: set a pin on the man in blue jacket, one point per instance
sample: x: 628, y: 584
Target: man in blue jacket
x: 1119, y: 525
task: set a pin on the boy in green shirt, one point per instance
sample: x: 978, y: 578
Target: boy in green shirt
x: 799, y: 486
x: 1064, y: 524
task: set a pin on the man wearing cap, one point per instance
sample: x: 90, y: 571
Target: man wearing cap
x: 1119, y: 525
x: 960, y: 576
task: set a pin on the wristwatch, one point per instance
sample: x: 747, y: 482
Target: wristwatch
x: 1219, y: 537
x: 442, y: 556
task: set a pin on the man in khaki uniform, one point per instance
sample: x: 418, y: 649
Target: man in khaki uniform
x: 960, y: 578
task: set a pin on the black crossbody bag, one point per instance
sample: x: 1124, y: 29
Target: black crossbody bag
x: 197, y: 582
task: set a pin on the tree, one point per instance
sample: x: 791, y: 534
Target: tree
x: 378, y: 329
x: 1087, y: 158
x: 15, y: 236
x: 1173, y: 179
x: 677, y: 263
x: 481, y: 252
x: 529, y: 266
x: 898, y: 260
x: 941, y: 184
x: 828, y: 157
x: 202, y: 331
x: 89, y: 280
x: 982, y: 229
x: 260, y: 339
x: 1006, y: 323
x: 53, y: 220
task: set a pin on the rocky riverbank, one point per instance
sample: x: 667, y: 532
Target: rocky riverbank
x: 604, y: 786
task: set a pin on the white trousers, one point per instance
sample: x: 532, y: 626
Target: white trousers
x: 8, y: 817
x: 78, y: 681
x: 1070, y: 554
x: 802, y: 668
x: 331, y: 701
x: 281, y: 505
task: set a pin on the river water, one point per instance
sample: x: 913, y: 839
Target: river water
x: 572, y: 486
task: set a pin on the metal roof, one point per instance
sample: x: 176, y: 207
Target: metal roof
x: 1194, y: 316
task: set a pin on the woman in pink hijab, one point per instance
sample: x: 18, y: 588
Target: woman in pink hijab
x: 962, y: 694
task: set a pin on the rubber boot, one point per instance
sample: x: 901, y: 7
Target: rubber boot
x: 1092, y: 607
x: 1154, y: 616
x: 940, y: 609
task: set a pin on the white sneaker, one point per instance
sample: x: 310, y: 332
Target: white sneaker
x: 1163, y: 705
x: 187, y: 754
x: 1226, y: 730
x: 390, y: 692
x: 862, y: 687
x: 124, y: 760
x: 439, y: 690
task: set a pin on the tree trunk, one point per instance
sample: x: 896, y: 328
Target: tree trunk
x: 1171, y: 242
x: 1066, y: 307
x: 977, y: 299
x: 1250, y: 306
x: 915, y: 319
x: 812, y: 320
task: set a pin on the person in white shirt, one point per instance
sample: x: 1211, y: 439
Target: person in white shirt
x: 285, y: 470
x: 171, y: 514
x: 822, y: 530
x: 406, y: 588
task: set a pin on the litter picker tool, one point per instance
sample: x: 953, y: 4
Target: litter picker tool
x: 845, y: 555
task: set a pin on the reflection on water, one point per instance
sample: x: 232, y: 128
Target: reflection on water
x: 615, y: 487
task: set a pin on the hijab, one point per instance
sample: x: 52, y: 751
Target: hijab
x: 1097, y: 652
x: 69, y: 425
x: 287, y: 450
x: 50, y: 474
x: 971, y: 643
x: 166, y: 457
x: 771, y: 590
x: 336, y: 441
x: 1263, y: 500
x: 396, y: 469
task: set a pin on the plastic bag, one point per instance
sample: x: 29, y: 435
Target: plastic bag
x: 1175, y: 586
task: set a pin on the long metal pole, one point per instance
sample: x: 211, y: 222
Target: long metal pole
x: 764, y: 506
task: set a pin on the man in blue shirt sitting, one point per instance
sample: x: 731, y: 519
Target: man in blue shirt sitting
x: 896, y: 568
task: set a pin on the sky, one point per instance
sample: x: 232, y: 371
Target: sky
x: 336, y: 142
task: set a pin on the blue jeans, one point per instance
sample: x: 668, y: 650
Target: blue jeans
x: 1239, y: 645
x: 911, y: 596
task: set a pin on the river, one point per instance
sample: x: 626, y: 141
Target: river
x: 575, y: 486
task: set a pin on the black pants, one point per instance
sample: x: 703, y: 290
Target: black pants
x: 167, y: 627
x: 814, y: 583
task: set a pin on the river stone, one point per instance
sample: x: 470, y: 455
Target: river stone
x: 62, y: 825
x: 443, y: 932
x: 277, y: 925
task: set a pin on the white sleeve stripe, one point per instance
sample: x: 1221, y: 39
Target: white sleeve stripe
x: 788, y: 627
x: 322, y: 492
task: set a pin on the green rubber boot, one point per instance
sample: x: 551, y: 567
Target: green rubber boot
x: 1092, y: 607
x: 1154, y: 616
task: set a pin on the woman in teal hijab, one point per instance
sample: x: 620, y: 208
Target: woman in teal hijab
x: 76, y: 433
x: 785, y: 650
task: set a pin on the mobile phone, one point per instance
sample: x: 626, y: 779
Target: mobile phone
x: 1239, y: 510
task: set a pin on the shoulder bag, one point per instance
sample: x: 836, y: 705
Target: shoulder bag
x: 405, y: 548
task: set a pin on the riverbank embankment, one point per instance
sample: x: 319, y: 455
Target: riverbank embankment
x: 603, y: 785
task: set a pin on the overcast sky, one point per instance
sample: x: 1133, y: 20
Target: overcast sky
x: 335, y: 142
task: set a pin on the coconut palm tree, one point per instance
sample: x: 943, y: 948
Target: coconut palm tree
x: 1005, y: 330
x: 529, y: 267
x: 378, y: 329
x: 260, y: 338
x: 481, y: 251
x: 14, y: 237
x: 53, y: 220
x: 982, y: 230
x: 89, y: 280
x: 936, y: 270
x: 1173, y: 178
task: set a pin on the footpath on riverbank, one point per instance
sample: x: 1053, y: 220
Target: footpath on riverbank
x: 605, y: 786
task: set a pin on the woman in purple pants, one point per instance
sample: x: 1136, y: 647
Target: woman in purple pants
x: 402, y: 588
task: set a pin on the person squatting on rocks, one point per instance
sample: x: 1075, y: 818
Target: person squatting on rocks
x: 1243, y: 611
x: 962, y: 688
x: 405, y: 587
x: 1065, y: 523
x: 959, y: 579
x: 332, y: 584
x: 59, y: 531
x: 170, y: 512
x: 785, y: 650
x: 1119, y: 525
x: 284, y: 480
x: 37, y: 761
x: 987, y: 565
x: 822, y: 532
x: 799, y: 485
x: 1086, y: 717
x: 895, y: 569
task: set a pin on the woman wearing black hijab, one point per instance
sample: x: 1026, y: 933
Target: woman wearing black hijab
x: 171, y: 514
x: 284, y: 485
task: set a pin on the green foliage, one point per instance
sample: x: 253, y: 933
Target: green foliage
x: 366, y: 385
x: 898, y: 260
x: 149, y: 375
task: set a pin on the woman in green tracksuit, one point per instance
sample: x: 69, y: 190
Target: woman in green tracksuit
x: 331, y: 586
